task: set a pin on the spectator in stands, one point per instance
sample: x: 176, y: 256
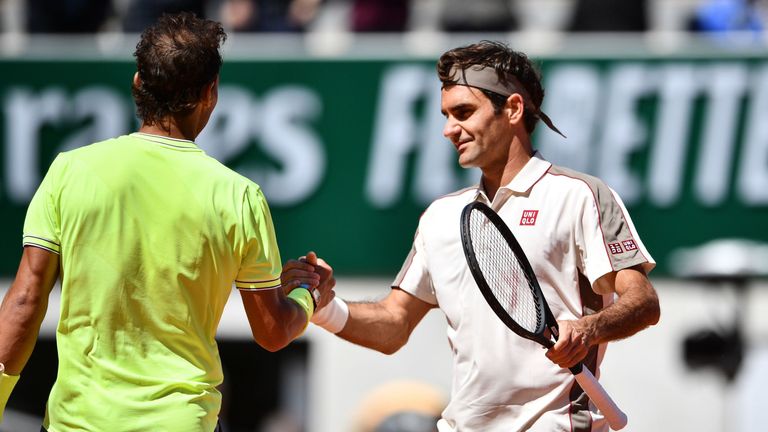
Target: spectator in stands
x: 610, y: 16
x: 721, y: 17
x: 67, y: 16
x: 140, y: 14
x: 477, y: 16
x: 379, y: 15
x: 268, y: 15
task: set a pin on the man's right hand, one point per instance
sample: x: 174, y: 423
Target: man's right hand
x: 312, y: 273
x: 325, y: 292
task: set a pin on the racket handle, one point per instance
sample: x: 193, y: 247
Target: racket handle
x: 616, y: 418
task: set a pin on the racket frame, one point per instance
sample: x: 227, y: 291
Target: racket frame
x: 546, y: 321
x: 547, y: 328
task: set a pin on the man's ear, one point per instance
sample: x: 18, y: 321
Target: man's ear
x: 210, y: 92
x: 515, y: 107
x: 136, y: 80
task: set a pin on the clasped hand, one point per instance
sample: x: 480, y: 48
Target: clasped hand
x: 314, y: 274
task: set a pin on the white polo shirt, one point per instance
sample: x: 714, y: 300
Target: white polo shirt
x: 573, y: 229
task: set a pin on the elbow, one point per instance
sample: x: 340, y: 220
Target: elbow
x: 275, y: 339
x: 654, y: 313
x: 393, y: 345
x: 649, y: 311
x: 389, y: 349
x: 274, y: 347
x: 274, y: 344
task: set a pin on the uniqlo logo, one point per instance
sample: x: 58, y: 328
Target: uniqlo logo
x: 615, y: 248
x: 529, y: 217
x: 629, y: 245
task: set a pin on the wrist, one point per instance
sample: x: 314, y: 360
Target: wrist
x: 333, y: 316
x: 7, y: 382
x: 303, y: 298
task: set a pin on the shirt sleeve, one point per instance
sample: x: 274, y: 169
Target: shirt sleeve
x: 260, y: 265
x: 414, y: 277
x: 607, y: 238
x: 42, y: 226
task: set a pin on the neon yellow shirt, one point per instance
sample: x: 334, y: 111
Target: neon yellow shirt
x: 152, y: 234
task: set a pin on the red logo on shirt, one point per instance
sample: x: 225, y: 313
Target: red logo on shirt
x: 615, y: 248
x: 529, y: 217
x: 629, y: 245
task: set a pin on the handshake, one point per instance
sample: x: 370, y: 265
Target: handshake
x: 316, y: 276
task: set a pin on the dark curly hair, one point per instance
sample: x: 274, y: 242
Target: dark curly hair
x: 176, y: 58
x: 506, y: 62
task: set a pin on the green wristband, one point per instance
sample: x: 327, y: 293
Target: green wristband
x: 303, y: 297
x: 7, y: 382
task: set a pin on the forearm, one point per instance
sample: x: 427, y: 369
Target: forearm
x: 636, y: 308
x: 275, y: 319
x: 375, y: 326
x: 21, y: 315
x: 279, y: 333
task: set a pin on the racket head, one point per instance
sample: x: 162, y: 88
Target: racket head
x: 503, y: 274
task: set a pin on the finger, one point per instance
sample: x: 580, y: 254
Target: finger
x: 290, y: 285
x: 567, y: 354
x: 311, y: 257
x: 300, y: 274
x: 572, y: 359
x: 560, y: 351
x: 295, y: 264
x: 324, y: 265
x: 299, y: 277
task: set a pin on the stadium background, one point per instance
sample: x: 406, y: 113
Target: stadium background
x: 344, y: 135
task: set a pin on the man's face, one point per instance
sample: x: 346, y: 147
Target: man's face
x: 481, y: 137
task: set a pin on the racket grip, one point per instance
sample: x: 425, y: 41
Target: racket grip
x: 616, y: 418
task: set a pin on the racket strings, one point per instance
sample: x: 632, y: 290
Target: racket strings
x: 504, y: 273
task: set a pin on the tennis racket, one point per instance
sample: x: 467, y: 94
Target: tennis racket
x: 507, y: 282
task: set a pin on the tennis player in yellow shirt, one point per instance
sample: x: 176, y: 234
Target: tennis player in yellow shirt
x: 148, y: 234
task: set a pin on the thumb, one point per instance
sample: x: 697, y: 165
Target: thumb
x: 311, y: 258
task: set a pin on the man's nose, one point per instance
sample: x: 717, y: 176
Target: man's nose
x: 451, y: 129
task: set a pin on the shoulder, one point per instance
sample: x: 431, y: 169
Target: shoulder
x: 576, y: 181
x: 449, y: 206
x: 108, y: 145
x: 100, y: 150
x: 109, y: 151
x: 458, y: 198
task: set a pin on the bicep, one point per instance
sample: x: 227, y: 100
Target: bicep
x: 38, y: 270
x: 629, y: 280
x: 24, y: 306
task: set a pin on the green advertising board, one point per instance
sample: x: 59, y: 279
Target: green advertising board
x: 350, y: 152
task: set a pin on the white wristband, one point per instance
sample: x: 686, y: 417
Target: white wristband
x: 332, y: 316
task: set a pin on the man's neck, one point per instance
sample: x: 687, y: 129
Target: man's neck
x: 171, y: 131
x: 494, y: 177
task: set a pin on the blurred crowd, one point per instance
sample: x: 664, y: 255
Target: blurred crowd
x: 89, y: 16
